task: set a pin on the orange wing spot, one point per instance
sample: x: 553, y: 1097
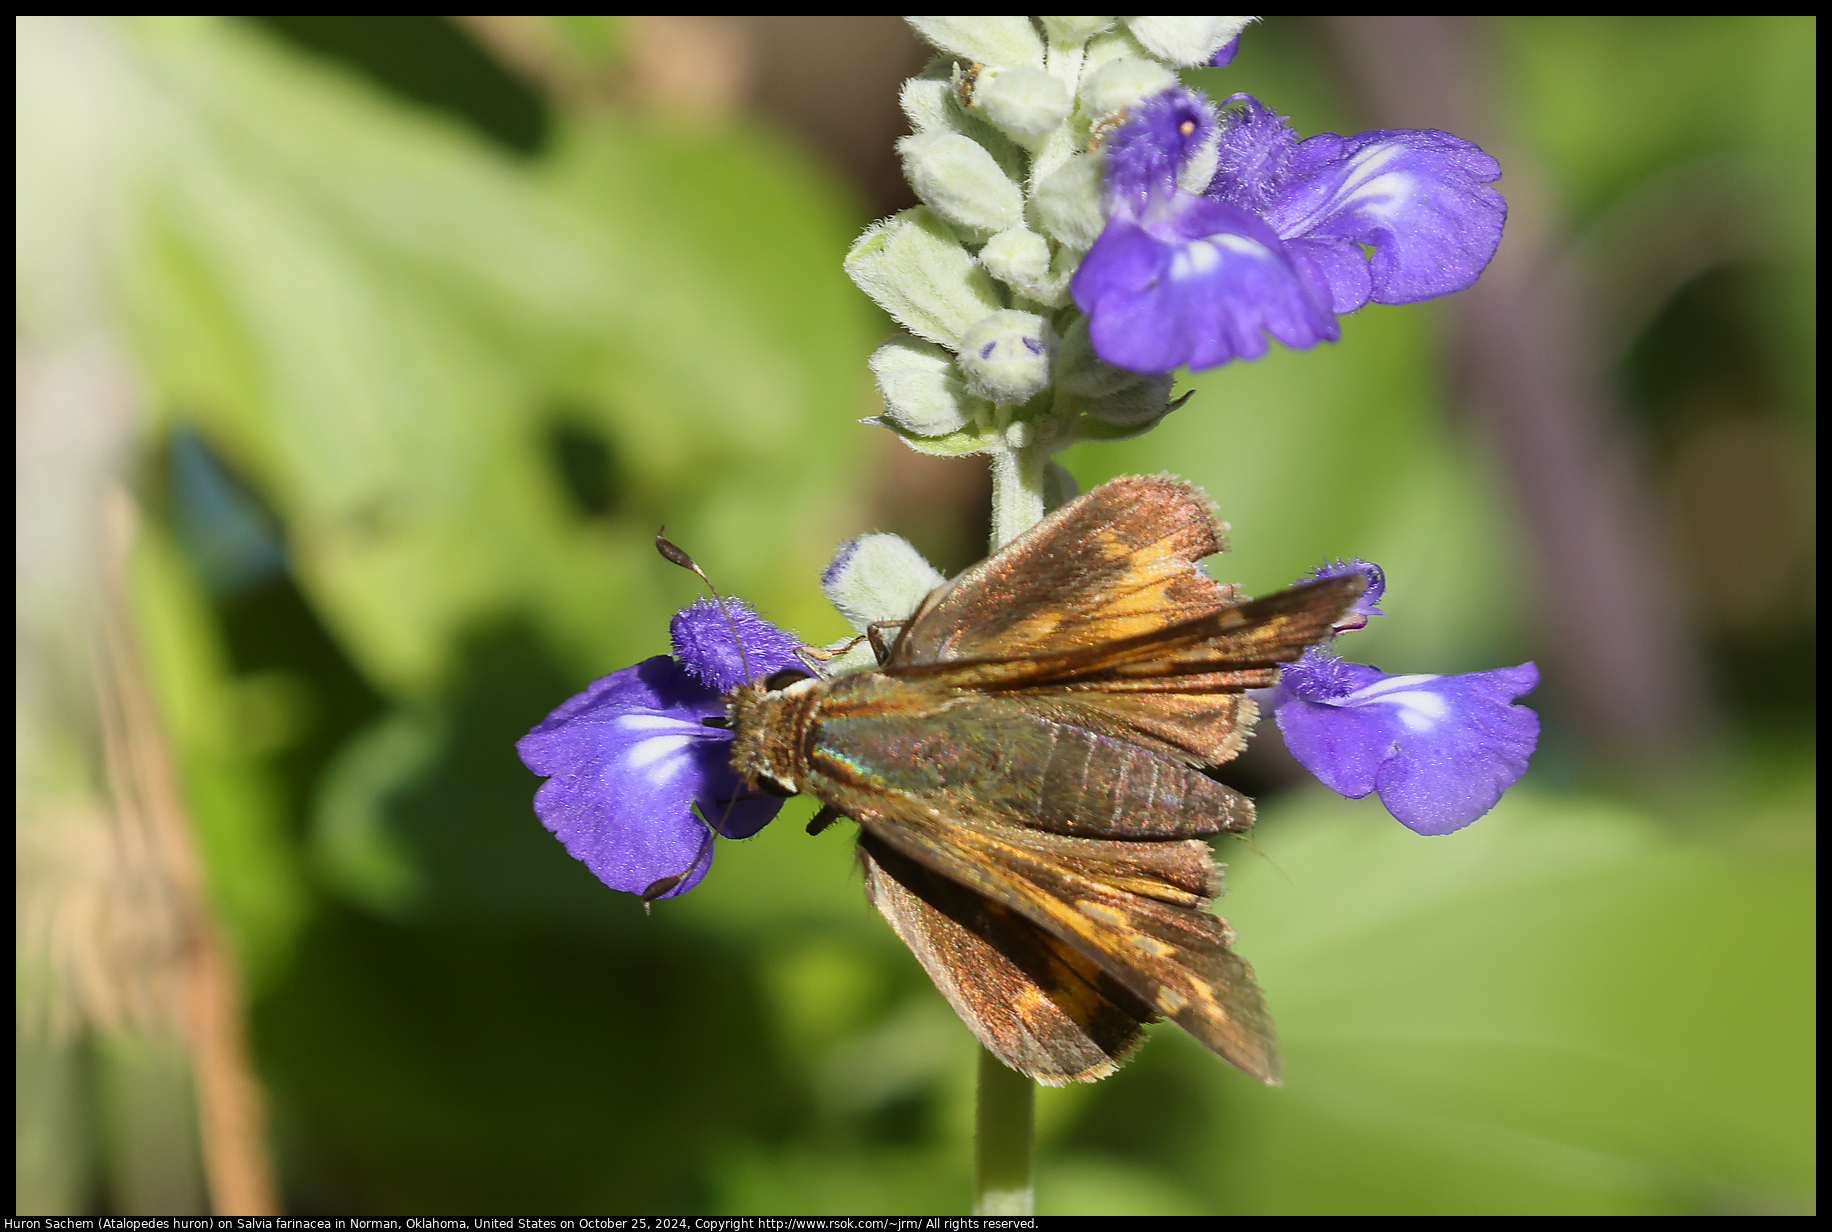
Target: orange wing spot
x: 1105, y: 914
x: 1112, y: 546
x: 1036, y: 630
x: 1030, y: 1000
x: 1170, y: 1000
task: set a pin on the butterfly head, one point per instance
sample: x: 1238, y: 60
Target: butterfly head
x: 768, y: 721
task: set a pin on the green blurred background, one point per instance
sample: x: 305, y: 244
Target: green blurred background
x: 360, y: 359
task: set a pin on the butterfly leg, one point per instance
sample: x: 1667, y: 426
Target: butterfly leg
x: 874, y: 631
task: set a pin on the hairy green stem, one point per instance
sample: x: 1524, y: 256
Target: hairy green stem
x: 1002, y: 1140
x: 1003, y: 1115
x: 1017, y: 492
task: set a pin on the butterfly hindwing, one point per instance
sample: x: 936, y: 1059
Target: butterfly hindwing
x: 1036, y: 1002
x: 1173, y: 956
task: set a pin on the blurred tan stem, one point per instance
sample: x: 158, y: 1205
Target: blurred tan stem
x: 230, y: 1112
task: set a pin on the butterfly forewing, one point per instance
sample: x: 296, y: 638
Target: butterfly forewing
x: 1117, y: 562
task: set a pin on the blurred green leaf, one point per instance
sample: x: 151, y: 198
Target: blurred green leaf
x: 1562, y: 1008
x: 380, y: 321
x: 355, y: 846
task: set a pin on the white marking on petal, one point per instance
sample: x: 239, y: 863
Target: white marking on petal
x: 1388, y: 685
x: 656, y: 748
x: 1370, y: 161
x: 1194, y: 259
x: 1419, y: 711
x: 1240, y: 244
x: 1384, y: 196
x: 1379, y: 195
x: 651, y: 722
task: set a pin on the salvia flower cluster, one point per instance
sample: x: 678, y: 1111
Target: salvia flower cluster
x: 1088, y: 226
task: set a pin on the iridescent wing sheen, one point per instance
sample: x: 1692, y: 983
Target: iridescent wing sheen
x: 1175, y: 690
x: 1101, y: 616
x: 1232, y: 648
x: 1021, y: 761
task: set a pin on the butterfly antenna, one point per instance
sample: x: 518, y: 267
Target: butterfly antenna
x: 662, y: 885
x: 674, y: 556
x: 1259, y: 851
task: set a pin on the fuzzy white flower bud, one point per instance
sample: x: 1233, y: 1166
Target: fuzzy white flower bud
x: 1017, y: 258
x: 923, y: 391
x: 1053, y: 291
x: 1199, y: 168
x: 1026, y: 104
x: 1187, y: 42
x: 913, y: 265
x: 1006, y: 357
x: 926, y: 101
x: 878, y: 577
x: 1073, y: 31
x: 961, y: 182
x: 1069, y: 202
x: 983, y: 40
x: 1120, y: 84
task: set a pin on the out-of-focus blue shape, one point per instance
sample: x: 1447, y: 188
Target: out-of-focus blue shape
x: 224, y: 531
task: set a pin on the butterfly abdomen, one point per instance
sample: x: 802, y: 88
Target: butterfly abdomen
x: 1100, y: 787
x: 992, y: 757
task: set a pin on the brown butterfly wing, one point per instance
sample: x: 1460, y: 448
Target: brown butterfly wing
x: 1102, y: 613
x: 1134, y: 910
x: 1113, y: 563
x: 1172, y: 689
x: 1035, y: 1002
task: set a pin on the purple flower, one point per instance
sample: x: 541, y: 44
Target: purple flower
x: 638, y: 783
x: 1440, y: 750
x: 1275, y: 243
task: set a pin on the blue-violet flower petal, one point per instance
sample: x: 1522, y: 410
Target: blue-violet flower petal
x: 637, y: 784
x: 1440, y: 750
x: 1275, y: 243
x: 702, y: 638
